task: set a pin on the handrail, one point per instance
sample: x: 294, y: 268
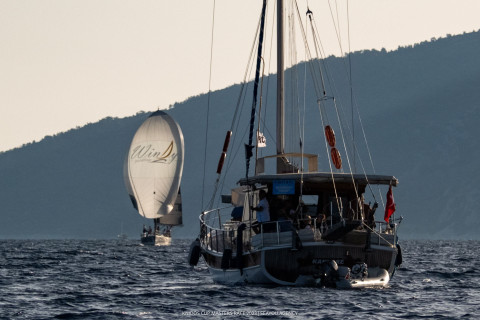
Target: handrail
x: 217, y: 209
x: 228, y: 230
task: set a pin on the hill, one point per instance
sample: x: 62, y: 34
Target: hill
x: 420, y: 110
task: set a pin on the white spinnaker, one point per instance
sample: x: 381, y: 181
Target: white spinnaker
x: 154, y: 165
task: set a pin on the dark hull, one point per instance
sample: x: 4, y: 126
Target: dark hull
x: 148, y: 240
x: 287, y: 265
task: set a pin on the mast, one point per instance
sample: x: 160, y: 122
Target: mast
x: 249, y: 147
x: 280, y: 86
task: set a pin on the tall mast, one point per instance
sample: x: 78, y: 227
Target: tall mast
x: 280, y: 82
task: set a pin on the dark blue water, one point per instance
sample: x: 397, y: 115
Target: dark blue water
x: 77, y: 279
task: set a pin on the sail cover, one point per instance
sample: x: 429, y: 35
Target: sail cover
x: 153, y: 166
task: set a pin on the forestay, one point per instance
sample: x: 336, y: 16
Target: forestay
x: 154, y: 165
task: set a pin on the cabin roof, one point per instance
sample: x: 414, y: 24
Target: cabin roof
x: 322, y: 178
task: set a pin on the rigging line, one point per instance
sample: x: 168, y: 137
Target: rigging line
x: 247, y: 72
x: 294, y: 82
x: 349, y: 74
x: 368, y: 151
x: 249, y: 147
x: 339, y: 203
x: 271, y: 136
x: 302, y: 125
x: 365, y: 174
x: 338, y: 22
x: 309, y: 55
x: 297, y: 105
x: 325, y: 65
x: 235, y: 152
x: 221, y: 178
x: 321, y: 63
x: 338, y: 118
x: 344, y: 123
x: 355, y: 106
x: 259, y: 114
x: 340, y: 123
x: 265, y: 104
x: 351, y: 87
x: 208, y: 103
x: 240, y: 103
x: 320, y: 51
x: 319, y: 55
x: 313, y: 22
x: 337, y: 31
x: 355, y: 149
x: 237, y: 115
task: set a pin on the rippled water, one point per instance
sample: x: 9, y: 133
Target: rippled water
x: 77, y: 279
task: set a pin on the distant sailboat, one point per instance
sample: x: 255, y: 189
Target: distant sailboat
x: 152, y: 171
x: 122, y: 236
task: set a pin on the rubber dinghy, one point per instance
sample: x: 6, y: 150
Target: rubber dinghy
x: 356, y: 277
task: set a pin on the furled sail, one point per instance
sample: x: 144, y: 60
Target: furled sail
x: 153, y: 168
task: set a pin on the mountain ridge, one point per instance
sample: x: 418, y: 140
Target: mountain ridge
x: 421, y: 120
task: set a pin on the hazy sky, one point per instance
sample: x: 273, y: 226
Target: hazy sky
x: 64, y: 63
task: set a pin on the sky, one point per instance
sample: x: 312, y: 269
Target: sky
x: 66, y: 63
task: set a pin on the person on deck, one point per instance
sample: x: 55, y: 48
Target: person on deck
x: 370, y: 214
x: 263, y: 209
x: 308, y: 223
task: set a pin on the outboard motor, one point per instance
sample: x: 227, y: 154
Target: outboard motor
x: 329, y: 274
x: 359, y: 271
x: 194, y: 253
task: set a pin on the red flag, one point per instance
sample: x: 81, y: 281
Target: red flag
x: 390, y: 207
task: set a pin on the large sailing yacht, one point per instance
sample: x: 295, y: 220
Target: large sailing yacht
x: 321, y: 229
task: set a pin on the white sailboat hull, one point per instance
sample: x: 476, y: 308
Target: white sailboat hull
x: 161, y: 240
x: 156, y: 240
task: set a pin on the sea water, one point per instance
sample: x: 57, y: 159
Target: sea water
x: 110, y: 279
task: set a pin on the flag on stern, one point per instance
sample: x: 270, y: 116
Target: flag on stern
x: 390, y: 207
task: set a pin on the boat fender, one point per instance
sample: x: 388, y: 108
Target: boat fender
x: 226, y: 258
x: 330, y: 135
x: 220, y: 162
x: 336, y: 158
x: 398, y: 259
x: 224, y: 152
x: 194, y: 254
x: 239, y: 258
x: 227, y: 141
